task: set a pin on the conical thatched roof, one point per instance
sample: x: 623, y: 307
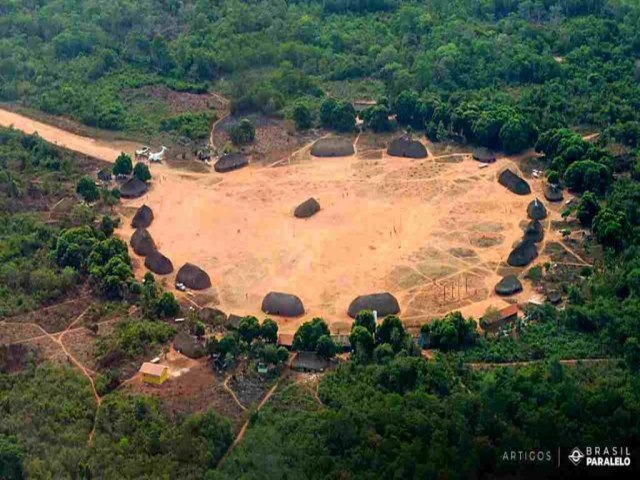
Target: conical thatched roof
x: 283, y: 304
x: 407, y: 147
x: 188, y: 345
x: 534, y: 232
x: 536, y: 210
x: 307, y: 208
x: 142, y: 242
x: 524, y: 253
x: 508, y: 285
x: 553, y: 193
x: 484, y: 155
x: 514, y: 183
x: 232, y: 161
x: 193, y: 277
x: 142, y: 218
x: 133, y: 188
x: 384, y: 303
x: 158, y: 263
x: 332, y: 147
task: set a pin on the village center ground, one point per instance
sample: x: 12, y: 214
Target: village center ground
x: 435, y: 232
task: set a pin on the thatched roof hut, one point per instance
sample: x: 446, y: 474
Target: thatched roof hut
x: 384, y: 303
x: 524, y: 253
x: 142, y: 242
x: 534, y: 232
x: 133, y: 188
x: 192, y: 276
x: 142, y: 218
x: 307, y: 208
x: 483, y: 155
x: 188, y: 345
x: 309, y: 362
x: 212, y: 316
x: 514, y: 183
x: 508, y: 285
x: 105, y: 175
x: 536, y: 210
x: 158, y: 263
x: 407, y: 147
x: 229, y: 162
x: 283, y: 304
x: 332, y: 147
x: 553, y: 193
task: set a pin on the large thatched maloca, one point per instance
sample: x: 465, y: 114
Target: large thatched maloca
x: 307, y: 208
x: 282, y: 304
x: 514, y: 183
x: 332, y: 147
x: 232, y: 161
x: 158, y: 263
x: 192, y: 276
x: 536, y: 210
x: 524, y: 253
x: 508, y: 285
x: 553, y: 193
x: 407, y: 147
x: 483, y: 155
x: 142, y: 242
x: 534, y: 232
x: 383, y: 303
x: 143, y: 217
x: 133, y: 188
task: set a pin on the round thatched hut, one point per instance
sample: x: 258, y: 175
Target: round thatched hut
x: 384, y: 303
x: 158, y: 263
x: 536, y: 210
x: 307, y: 208
x: 229, y: 162
x: 524, y: 253
x: 553, y: 193
x: 483, y: 155
x: 514, y: 183
x: 332, y: 147
x: 407, y: 147
x: 142, y: 218
x: 508, y: 285
x: 187, y: 345
x: 282, y: 304
x: 192, y: 276
x: 133, y: 188
x: 534, y: 232
x: 142, y: 242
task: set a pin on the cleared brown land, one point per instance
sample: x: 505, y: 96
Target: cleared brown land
x: 433, y: 232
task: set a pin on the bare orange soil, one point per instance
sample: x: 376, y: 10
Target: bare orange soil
x: 433, y: 232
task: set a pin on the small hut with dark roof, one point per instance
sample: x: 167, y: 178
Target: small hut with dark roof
x: 534, y: 232
x: 142, y: 242
x: 142, y: 218
x: 105, y: 175
x: 483, y: 155
x: 307, y: 208
x: 158, y: 263
x: 508, y: 285
x: 192, y: 276
x: 407, y: 147
x: 282, y: 304
x: 514, y: 183
x: 133, y: 188
x: 309, y: 362
x: 332, y: 147
x: 384, y: 303
x: 188, y: 345
x: 553, y: 193
x: 536, y: 210
x: 524, y: 253
x: 229, y: 162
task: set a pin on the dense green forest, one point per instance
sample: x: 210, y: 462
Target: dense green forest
x: 490, y: 71
x: 508, y: 74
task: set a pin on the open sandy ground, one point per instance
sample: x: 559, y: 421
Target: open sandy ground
x: 433, y: 232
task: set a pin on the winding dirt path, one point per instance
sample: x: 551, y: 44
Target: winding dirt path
x: 225, y: 384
